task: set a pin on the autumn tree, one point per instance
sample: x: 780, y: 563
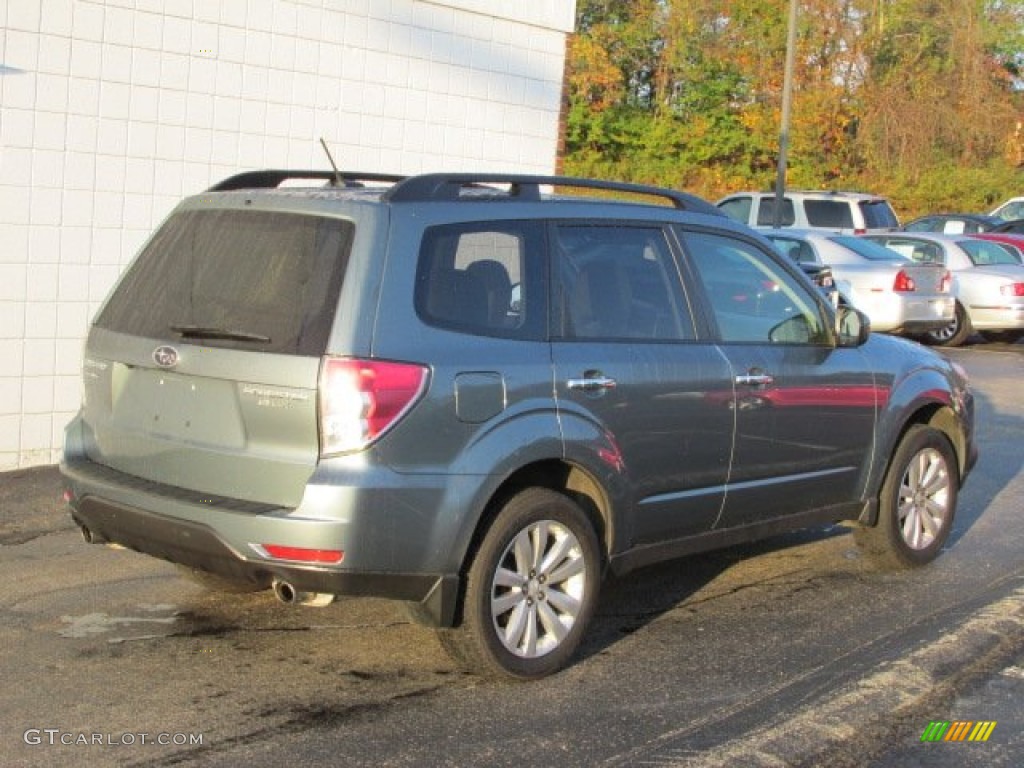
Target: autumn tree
x: 688, y: 92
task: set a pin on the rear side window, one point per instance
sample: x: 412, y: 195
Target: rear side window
x: 766, y: 212
x: 833, y: 214
x: 473, y: 277
x: 984, y: 253
x: 255, y: 280
x: 797, y: 250
x: 617, y: 282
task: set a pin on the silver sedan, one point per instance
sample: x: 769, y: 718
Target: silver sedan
x: 898, y: 294
x: 988, y: 282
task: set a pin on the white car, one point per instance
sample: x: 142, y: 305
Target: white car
x: 1010, y: 210
x: 988, y: 282
x: 898, y: 294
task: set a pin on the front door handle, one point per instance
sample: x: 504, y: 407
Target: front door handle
x: 591, y: 384
x: 755, y: 379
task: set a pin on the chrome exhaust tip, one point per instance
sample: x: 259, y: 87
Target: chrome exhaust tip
x: 289, y: 595
x: 89, y: 536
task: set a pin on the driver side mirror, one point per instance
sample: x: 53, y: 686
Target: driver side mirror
x: 852, y: 326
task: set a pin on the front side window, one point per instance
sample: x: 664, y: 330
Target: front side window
x: 472, y: 278
x: 923, y: 225
x: 737, y: 208
x: 753, y: 298
x: 616, y: 282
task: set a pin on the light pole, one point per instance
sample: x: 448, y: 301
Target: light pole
x: 787, y: 98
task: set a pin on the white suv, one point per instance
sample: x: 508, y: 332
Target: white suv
x: 854, y: 212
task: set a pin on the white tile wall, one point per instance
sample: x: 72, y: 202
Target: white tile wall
x: 111, y: 110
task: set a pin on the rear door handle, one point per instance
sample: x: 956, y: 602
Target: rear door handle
x: 591, y: 384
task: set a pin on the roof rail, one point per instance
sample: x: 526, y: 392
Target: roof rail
x: 434, y: 187
x: 270, y: 178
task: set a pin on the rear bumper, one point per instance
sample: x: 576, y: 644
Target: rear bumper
x: 902, y: 313
x: 98, y: 499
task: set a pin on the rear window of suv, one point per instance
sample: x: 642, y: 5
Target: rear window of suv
x: 263, y: 281
x: 878, y: 214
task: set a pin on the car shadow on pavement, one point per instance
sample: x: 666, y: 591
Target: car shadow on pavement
x: 637, y: 599
x: 998, y: 432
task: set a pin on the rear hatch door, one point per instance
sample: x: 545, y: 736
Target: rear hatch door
x: 201, y: 370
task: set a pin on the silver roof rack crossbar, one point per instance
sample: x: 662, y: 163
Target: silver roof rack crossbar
x: 448, y: 186
x: 274, y: 177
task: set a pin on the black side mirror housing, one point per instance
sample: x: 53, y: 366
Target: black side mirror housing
x: 852, y: 326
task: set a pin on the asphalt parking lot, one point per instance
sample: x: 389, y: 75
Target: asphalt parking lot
x: 788, y: 652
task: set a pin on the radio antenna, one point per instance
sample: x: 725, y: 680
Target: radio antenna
x: 337, y: 174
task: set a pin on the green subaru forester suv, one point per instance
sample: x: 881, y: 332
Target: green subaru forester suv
x: 481, y: 393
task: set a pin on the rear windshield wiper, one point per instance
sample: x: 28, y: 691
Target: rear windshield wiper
x: 208, y: 332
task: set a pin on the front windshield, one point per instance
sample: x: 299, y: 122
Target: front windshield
x: 868, y: 249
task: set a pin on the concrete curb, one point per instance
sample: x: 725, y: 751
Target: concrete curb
x: 863, y: 715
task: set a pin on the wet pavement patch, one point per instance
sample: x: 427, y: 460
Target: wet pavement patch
x: 90, y: 624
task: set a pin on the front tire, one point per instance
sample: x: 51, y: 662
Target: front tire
x: 530, y: 591
x: 917, y: 502
x: 954, y: 334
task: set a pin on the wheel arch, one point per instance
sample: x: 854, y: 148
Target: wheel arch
x: 565, y: 477
x: 555, y: 474
x: 938, y: 415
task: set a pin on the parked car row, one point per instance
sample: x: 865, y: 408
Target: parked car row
x: 939, y: 278
x: 988, y: 282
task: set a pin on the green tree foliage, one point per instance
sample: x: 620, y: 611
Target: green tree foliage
x: 891, y: 95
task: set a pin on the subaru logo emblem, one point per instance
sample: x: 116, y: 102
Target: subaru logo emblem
x: 165, y: 357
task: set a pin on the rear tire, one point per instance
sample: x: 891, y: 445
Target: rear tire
x: 531, y: 589
x: 916, y: 504
x: 954, y: 334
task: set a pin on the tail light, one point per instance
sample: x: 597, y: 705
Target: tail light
x: 946, y: 284
x: 904, y: 283
x: 361, y: 399
x: 1013, y: 289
